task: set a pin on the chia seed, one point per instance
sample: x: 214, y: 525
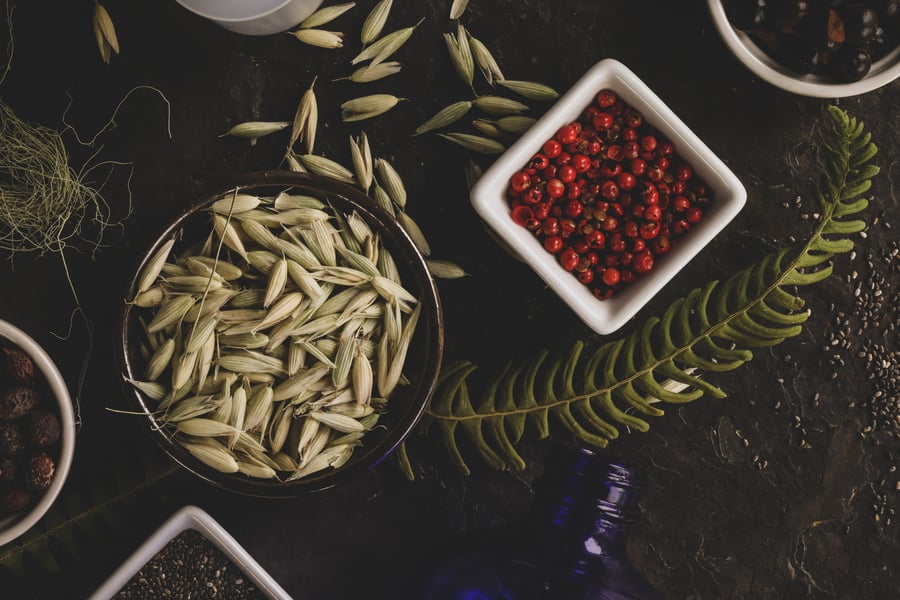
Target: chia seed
x: 190, y: 566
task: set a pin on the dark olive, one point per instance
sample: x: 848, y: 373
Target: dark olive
x: 788, y: 13
x: 880, y: 45
x: 851, y: 64
x: 796, y: 53
x: 860, y: 23
x: 748, y: 15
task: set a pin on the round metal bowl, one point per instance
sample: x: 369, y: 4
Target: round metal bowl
x: 406, y: 404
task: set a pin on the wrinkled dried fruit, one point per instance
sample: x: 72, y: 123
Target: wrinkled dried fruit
x: 42, y: 428
x: 39, y: 471
x: 8, y: 469
x: 12, y: 440
x: 14, y: 498
x: 17, y: 366
x: 17, y: 402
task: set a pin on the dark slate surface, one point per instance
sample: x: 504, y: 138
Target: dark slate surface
x: 785, y: 489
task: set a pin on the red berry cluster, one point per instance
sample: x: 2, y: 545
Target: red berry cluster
x: 606, y: 195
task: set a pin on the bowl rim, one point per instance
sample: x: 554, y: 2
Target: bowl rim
x: 21, y: 522
x: 195, y: 518
x: 488, y: 196
x: 432, y: 312
x: 884, y: 71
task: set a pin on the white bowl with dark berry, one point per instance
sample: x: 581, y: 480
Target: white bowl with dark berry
x: 817, y: 48
x: 608, y: 196
x: 37, y: 432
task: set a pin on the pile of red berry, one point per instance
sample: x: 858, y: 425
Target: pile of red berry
x: 607, y: 195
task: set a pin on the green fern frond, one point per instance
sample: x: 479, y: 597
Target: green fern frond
x: 713, y: 328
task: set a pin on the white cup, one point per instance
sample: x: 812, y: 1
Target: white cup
x: 253, y: 17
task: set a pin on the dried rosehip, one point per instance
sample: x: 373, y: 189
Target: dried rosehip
x: 17, y: 366
x: 13, y: 498
x: 42, y: 428
x: 17, y: 402
x: 8, y: 469
x: 12, y: 440
x: 39, y: 471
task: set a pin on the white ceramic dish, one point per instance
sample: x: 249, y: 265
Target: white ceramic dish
x: 13, y: 526
x: 754, y: 58
x: 191, y: 517
x: 489, y: 196
x: 253, y: 17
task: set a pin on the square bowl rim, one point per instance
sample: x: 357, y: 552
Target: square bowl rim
x: 190, y: 517
x: 489, y: 200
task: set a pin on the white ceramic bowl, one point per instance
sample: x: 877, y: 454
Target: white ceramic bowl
x: 489, y: 196
x: 253, y: 17
x: 884, y: 71
x: 191, y: 517
x: 13, y: 526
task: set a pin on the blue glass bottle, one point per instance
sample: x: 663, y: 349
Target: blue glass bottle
x: 572, y: 548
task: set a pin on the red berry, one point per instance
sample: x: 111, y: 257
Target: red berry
x: 550, y: 226
x: 520, y: 182
x: 606, y: 98
x: 521, y: 214
x: 642, y: 263
x: 553, y: 244
x: 567, y: 134
x: 683, y: 172
x: 680, y: 203
x: 595, y: 239
x: 638, y: 166
x: 602, y: 121
x: 552, y: 148
x: 555, y: 188
x: 586, y: 276
x: 539, y: 162
x: 626, y: 180
x: 541, y: 210
x: 653, y: 213
x: 648, y: 143
x: 693, y: 215
x: 611, y: 277
x: 533, y: 195
x: 609, y: 190
x: 567, y: 173
x: 574, y: 208
x: 581, y: 163
x: 568, y: 259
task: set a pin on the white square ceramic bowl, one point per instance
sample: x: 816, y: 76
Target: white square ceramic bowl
x: 191, y: 517
x: 489, y: 196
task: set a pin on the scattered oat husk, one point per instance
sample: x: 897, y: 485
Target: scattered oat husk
x: 320, y: 38
x: 446, y: 116
x: 105, y: 32
x: 498, y: 105
x: 445, y: 269
x: 373, y: 72
x: 461, y: 54
x: 367, y: 107
x: 530, y: 89
x: 252, y: 130
x: 326, y: 15
x: 374, y: 23
x: 385, y: 47
x: 486, y: 62
x: 475, y: 143
x: 458, y: 8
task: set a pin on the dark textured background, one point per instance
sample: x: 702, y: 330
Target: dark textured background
x: 782, y: 490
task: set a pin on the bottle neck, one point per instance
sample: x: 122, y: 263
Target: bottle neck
x: 586, y: 504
